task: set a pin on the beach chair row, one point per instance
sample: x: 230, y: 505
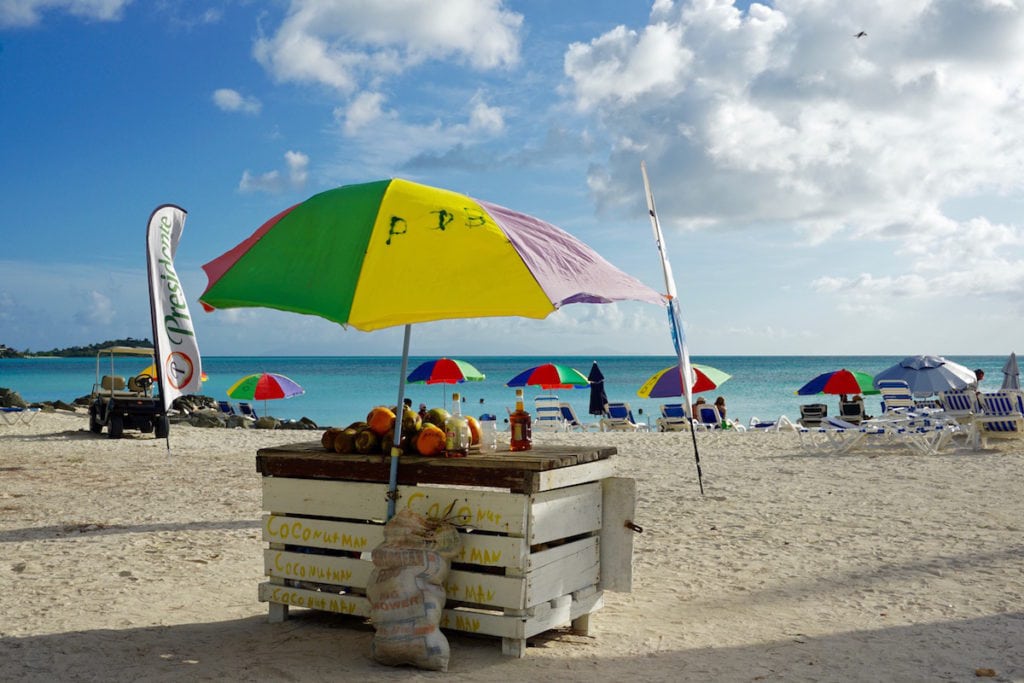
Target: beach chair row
x: 245, y: 409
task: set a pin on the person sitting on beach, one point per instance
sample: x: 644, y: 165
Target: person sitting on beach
x: 696, y: 407
x: 720, y: 404
x: 423, y: 411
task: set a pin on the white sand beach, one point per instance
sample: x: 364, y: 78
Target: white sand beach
x: 120, y: 563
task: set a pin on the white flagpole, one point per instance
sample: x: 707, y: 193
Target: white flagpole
x: 674, y: 320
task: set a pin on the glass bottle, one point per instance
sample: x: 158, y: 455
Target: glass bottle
x: 456, y: 429
x: 520, y: 424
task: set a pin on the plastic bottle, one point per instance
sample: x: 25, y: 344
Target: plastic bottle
x: 457, y: 435
x: 520, y: 424
x: 488, y: 434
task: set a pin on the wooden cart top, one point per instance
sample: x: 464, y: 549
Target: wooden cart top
x: 523, y: 472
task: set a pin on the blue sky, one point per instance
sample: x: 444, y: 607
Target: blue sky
x: 820, y: 193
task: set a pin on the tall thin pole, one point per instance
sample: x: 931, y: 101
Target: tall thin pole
x: 396, y: 448
x: 674, y: 320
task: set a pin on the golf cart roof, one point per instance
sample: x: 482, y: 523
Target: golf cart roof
x: 126, y: 350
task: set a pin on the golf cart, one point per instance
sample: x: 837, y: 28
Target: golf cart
x: 119, y: 405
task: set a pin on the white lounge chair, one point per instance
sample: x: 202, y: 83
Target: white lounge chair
x: 758, y: 425
x: 618, y: 417
x: 852, y: 411
x: 1001, y: 417
x: 673, y: 418
x: 812, y: 414
x: 547, y: 415
x: 710, y: 418
x: 15, y: 415
x: 896, y: 396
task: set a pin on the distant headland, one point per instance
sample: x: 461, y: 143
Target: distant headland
x: 74, y: 351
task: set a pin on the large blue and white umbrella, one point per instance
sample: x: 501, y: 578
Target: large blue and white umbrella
x: 1011, y: 374
x: 928, y: 375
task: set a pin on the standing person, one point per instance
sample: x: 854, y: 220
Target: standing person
x: 979, y: 375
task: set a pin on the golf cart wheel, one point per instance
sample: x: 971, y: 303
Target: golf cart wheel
x: 94, y: 423
x: 115, y: 430
x: 163, y: 427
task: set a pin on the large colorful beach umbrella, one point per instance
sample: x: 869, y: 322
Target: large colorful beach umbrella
x: 837, y: 382
x: 550, y: 376
x: 444, y: 371
x: 264, y: 386
x: 666, y: 383
x: 928, y: 375
x: 394, y: 252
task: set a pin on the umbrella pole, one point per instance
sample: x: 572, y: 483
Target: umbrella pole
x: 400, y: 409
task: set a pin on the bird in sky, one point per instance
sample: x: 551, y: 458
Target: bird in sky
x: 862, y: 34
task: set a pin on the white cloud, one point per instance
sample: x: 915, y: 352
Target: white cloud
x: 100, y: 310
x: 275, y: 181
x: 343, y: 45
x: 29, y: 12
x: 232, y: 100
x: 622, y: 65
x: 777, y: 118
x: 388, y: 140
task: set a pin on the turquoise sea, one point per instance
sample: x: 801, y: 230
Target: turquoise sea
x: 342, y: 389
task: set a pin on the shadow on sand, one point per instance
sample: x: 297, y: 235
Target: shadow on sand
x: 316, y: 646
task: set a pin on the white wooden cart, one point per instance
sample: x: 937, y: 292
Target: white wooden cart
x: 544, y: 533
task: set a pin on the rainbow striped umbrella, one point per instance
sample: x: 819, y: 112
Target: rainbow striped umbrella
x: 665, y: 383
x: 550, y: 376
x: 444, y: 371
x: 841, y: 381
x: 264, y: 387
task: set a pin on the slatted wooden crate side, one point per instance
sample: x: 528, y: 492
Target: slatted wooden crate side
x: 570, y: 572
x: 487, y: 550
x: 344, y: 572
x: 566, y: 512
x: 454, y: 617
x: 491, y: 591
x: 505, y: 513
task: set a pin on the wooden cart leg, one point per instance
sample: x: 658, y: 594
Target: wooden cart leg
x: 513, y: 647
x: 581, y: 625
x: 278, y: 613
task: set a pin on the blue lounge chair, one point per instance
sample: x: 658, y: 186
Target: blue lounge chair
x: 1001, y: 417
x: 572, y: 421
x: 896, y: 396
x: 618, y: 417
x: 247, y: 410
x: 812, y: 414
x: 673, y: 418
x: 226, y: 408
